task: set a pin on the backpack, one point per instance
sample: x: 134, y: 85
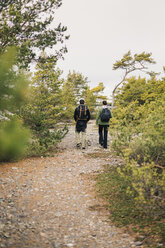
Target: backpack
x: 105, y: 115
x: 82, y: 112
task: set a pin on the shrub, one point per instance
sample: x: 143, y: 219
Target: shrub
x: 14, y: 139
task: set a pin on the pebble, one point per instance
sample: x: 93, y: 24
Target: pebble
x: 55, y: 245
x: 138, y: 243
x: 70, y: 245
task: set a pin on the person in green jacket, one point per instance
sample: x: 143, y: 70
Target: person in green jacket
x: 102, y: 120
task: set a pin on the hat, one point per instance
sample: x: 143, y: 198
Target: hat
x: 104, y: 102
x: 82, y: 101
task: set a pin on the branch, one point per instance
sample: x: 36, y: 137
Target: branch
x: 158, y: 166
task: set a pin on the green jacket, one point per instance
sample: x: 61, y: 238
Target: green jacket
x: 98, y: 120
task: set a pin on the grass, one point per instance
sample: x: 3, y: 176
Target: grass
x: 124, y: 211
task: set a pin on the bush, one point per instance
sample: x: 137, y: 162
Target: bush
x: 14, y: 139
x: 45, y: 140
x: 139, y: 136
x: 117, y: 189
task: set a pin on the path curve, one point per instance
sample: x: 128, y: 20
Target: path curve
x: 47, y: 202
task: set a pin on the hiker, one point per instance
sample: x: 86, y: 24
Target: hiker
x: 102, y: 120
x: 81, y: 116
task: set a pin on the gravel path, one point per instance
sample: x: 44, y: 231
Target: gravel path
x: 48, y: 202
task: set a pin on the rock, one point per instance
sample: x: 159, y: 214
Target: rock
x: 70, y: 245
x: 55, y: 245
x: 1, y: 226
x: 58, y: 214
x: 125, y: 235
x: 42, y: 234
x: 138, y: 243
x: 6, y: 235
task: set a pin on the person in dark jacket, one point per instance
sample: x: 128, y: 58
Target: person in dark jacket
x: 81, y: 116
x: 103, y: 125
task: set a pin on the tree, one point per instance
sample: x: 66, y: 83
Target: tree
x: 68, y: 101
x: 13, y: 84
x: 93, y: 97
x: 78, y: 82
x: 129, y: 64
x: 97, y: 91
x: 29, y: 25
x: 45, y: 109
x: 14, y: 137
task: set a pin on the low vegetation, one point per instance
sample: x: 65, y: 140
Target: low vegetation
x: 136, y: 191
x: 147, y: 224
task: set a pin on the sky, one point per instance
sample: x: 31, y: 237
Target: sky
x: 101, y: 32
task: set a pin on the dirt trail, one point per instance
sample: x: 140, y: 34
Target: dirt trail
x: 48, y: 202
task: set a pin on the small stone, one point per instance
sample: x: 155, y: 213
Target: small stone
x: 55, y: 245
x: 42, y: 234
x: 58, y: 214
x: 138, y: 243
x: 14, y: 168
x: 6, y: 235
x: 70, y: 245
x: 125, y: 235
x: 1, y: 226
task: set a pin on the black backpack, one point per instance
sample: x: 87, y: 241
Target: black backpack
x: 105, y: 115
x: 82, y: 112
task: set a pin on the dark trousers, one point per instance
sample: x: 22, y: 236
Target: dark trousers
x: 103, y: 135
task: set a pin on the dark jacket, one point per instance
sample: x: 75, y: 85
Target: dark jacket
x: 81, y: 124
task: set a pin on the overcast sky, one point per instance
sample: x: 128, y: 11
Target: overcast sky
x: 101, y: 32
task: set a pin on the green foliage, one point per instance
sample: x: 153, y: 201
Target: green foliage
x: 26, y: 24
x: 14, y: 139
x: 13, y: 84
x: 45, y: 109
x: 93, y: 97
x: 68, y: 100
x: 139, y: 135
x: 75, y: 87
x: 146, y: 182
x: 131, y: 63
x: 147, y: 222
x: 78, y: 83
x: 139, y: 120
x: 45, y: 140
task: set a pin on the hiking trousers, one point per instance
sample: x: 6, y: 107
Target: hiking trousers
x: 81, y: 138
x: 103, y: 135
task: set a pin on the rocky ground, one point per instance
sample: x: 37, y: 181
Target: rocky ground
x: 51, y: 202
